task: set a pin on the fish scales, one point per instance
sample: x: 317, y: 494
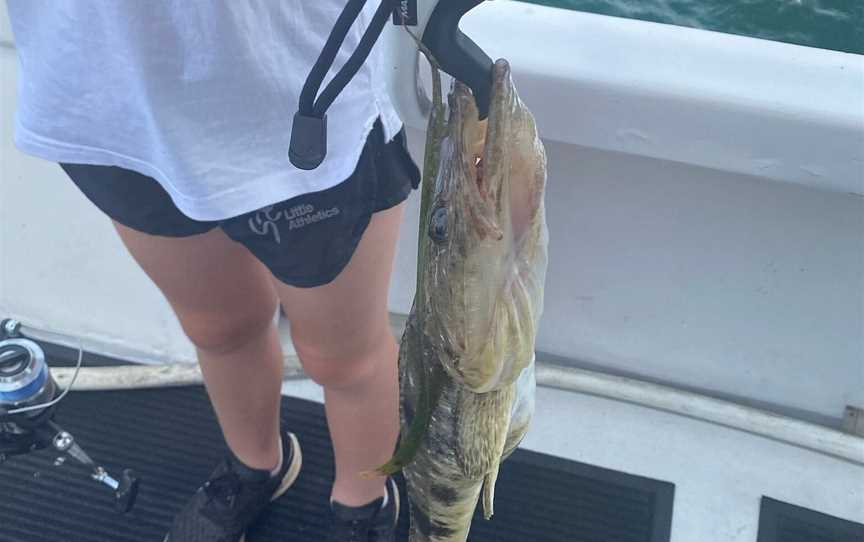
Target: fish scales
x: 466, y: 358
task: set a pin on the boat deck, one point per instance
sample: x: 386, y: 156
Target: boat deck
x: 170, y: 438
x: 590, y: 469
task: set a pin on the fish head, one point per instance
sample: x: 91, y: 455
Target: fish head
x: 486, y: 257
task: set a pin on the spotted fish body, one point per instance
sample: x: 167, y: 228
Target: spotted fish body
x: 466, y: 356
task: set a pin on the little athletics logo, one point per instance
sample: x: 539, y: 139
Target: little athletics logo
x: 266, y: 221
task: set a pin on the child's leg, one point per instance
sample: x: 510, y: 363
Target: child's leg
x: 342, y: 335
x: 225, y: 302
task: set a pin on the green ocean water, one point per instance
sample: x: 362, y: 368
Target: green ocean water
x: 827, y: 24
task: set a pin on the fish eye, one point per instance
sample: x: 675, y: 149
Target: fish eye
x: 438, y: 225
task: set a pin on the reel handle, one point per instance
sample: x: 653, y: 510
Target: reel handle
x: 127, y: 492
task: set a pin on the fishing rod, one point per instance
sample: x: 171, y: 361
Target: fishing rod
x: 29, y: 397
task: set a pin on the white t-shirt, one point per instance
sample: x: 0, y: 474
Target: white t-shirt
x: 199, y: 95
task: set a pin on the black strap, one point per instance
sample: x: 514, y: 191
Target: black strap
x: 308, y: 145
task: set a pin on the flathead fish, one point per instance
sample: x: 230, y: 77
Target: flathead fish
x: 466, y: 360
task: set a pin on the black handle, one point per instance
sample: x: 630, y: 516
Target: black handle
x: 124, y: 497
x: 457, y: 54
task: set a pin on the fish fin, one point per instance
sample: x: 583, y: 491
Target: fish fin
x: 489, y: 492
x: 430, y: 389
x: 482, y: 430
x: 409, y: 445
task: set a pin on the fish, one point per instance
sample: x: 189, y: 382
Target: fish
x: 466, y: 356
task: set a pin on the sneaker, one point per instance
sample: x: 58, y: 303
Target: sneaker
x: 235, y: 494
x: 373, y: 522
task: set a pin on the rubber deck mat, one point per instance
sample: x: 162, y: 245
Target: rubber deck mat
x: 783, y: 522
x: 170, y: 437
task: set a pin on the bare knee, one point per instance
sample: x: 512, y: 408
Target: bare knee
x: 343, y: 363
x: 222, y: 332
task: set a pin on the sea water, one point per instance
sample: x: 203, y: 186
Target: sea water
x: 827, y: 24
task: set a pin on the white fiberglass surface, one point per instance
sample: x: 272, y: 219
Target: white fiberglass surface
x: 702, y: 278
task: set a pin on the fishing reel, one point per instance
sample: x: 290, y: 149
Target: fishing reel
x: 29, y: 397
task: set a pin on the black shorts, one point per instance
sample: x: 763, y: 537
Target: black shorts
x: 305, y: 241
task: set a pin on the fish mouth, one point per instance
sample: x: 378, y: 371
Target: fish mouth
x: 484, y: 158
x: 499, y: 173
x: 491, y: 180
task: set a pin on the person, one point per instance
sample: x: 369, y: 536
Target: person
x: 173, y: 119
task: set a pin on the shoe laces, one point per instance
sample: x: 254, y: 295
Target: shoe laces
x: 223, y: 488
